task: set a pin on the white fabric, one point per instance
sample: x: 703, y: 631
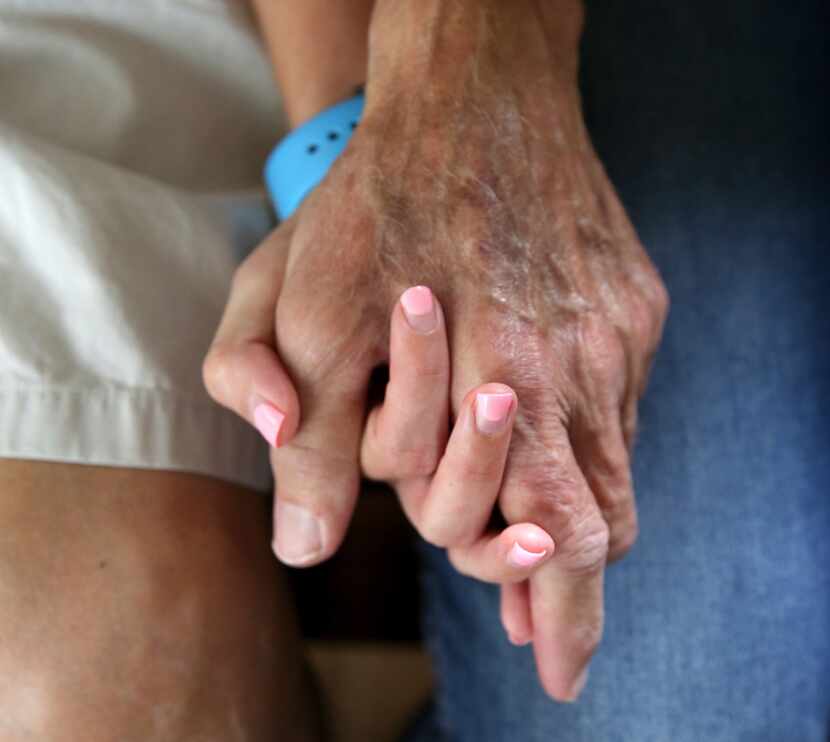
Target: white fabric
x: 132, y: 138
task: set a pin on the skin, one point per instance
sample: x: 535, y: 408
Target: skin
x: 144, y: 605
x: 471, y: 173
x: 318, y: 49
x: 448, y: 483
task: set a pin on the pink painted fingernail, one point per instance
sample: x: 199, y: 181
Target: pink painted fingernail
x: 419, y: 309
x: 298, y: 535
x: 268, y: 420
x: 492, y: 411
x: 523, y: 558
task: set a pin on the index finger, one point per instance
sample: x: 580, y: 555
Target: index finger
x: 242, y: 369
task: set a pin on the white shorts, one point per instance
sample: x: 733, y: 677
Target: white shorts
x: 132, y: 138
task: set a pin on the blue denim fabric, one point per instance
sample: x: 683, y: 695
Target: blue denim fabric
x: 712, y: 120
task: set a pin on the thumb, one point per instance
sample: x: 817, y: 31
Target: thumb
x: 242, y: 370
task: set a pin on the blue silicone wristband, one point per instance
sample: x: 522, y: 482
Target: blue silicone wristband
x: 302, y: 159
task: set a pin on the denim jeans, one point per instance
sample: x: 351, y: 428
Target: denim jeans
x: 711, y: 118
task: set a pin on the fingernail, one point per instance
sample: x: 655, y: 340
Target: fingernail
x: 518, y: 641
x: 419, y: 309
x: 298, y: 536
x: 579, y: 685
x: 492, y: 410
x: 522, y: 558
x: 268, y: 420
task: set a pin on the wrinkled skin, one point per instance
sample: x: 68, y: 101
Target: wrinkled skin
x: 482, y: 185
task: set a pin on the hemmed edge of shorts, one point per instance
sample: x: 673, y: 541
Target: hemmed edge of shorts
x: 148, y: 428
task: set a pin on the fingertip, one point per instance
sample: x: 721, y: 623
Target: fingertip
x: 515, y: 613
x: 269, y: 420
x: 565, y: 691
x: 522, y: 558
x: 529, y: 546
x: 496, y: 388
x: 314, y: 499
x: 518, y: 641
x: 299, y: 535
x: 420, y: 309
x: 494, y: 404
x: 276, y: 422
x: 406, y: 434
x: 249, y: 379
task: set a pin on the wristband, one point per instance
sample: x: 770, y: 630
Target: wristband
x: 302, y: 159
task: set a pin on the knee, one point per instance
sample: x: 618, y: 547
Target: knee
x: 150, y: 618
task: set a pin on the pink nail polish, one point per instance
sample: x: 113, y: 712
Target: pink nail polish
x: 522, y: 558
x: 492, y: 410
x: 419, y: 309
x: 268, y: 420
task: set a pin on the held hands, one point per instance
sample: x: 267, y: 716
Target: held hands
x: 550, y: 314
x: 448, y: 484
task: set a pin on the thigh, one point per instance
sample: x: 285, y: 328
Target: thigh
x: 718, y: 622
x: 143, y: 605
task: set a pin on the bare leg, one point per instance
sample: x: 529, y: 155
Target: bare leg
x: 143, y: 605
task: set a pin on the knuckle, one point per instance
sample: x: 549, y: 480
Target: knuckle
x: 619, y: 509
x: 412, y: 462
x: 662, y: 300
x: 622, y: 539
x: 641, y: 321
x: 312, y: 463
x: 546, y: 492
x: 647, y: 310
x: 651, y: 283
x: 599, y: 349
x: 544, y: 484
x: 435, y: 534
x: 617, y: 505
x: 247, y: 272
x: 629, y: 425
x: 477, y: 470
x: 216, y: 371
x: 446, y: 530
x: 263, y: 264
x: 323, y: 340
x: 324, y: 481
x: 585, y: 547
x: 526, y: 364
x: 612, y: 462
x: 609, y: 471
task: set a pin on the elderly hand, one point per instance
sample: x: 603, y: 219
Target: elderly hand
x: 471, y: 173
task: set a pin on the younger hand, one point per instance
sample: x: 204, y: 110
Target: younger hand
x: 448, y: 483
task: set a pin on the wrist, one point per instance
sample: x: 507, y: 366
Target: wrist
x: 316, y: 98
x: 318, y: 49
x: 425, y: 45
x: 303, y: 158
